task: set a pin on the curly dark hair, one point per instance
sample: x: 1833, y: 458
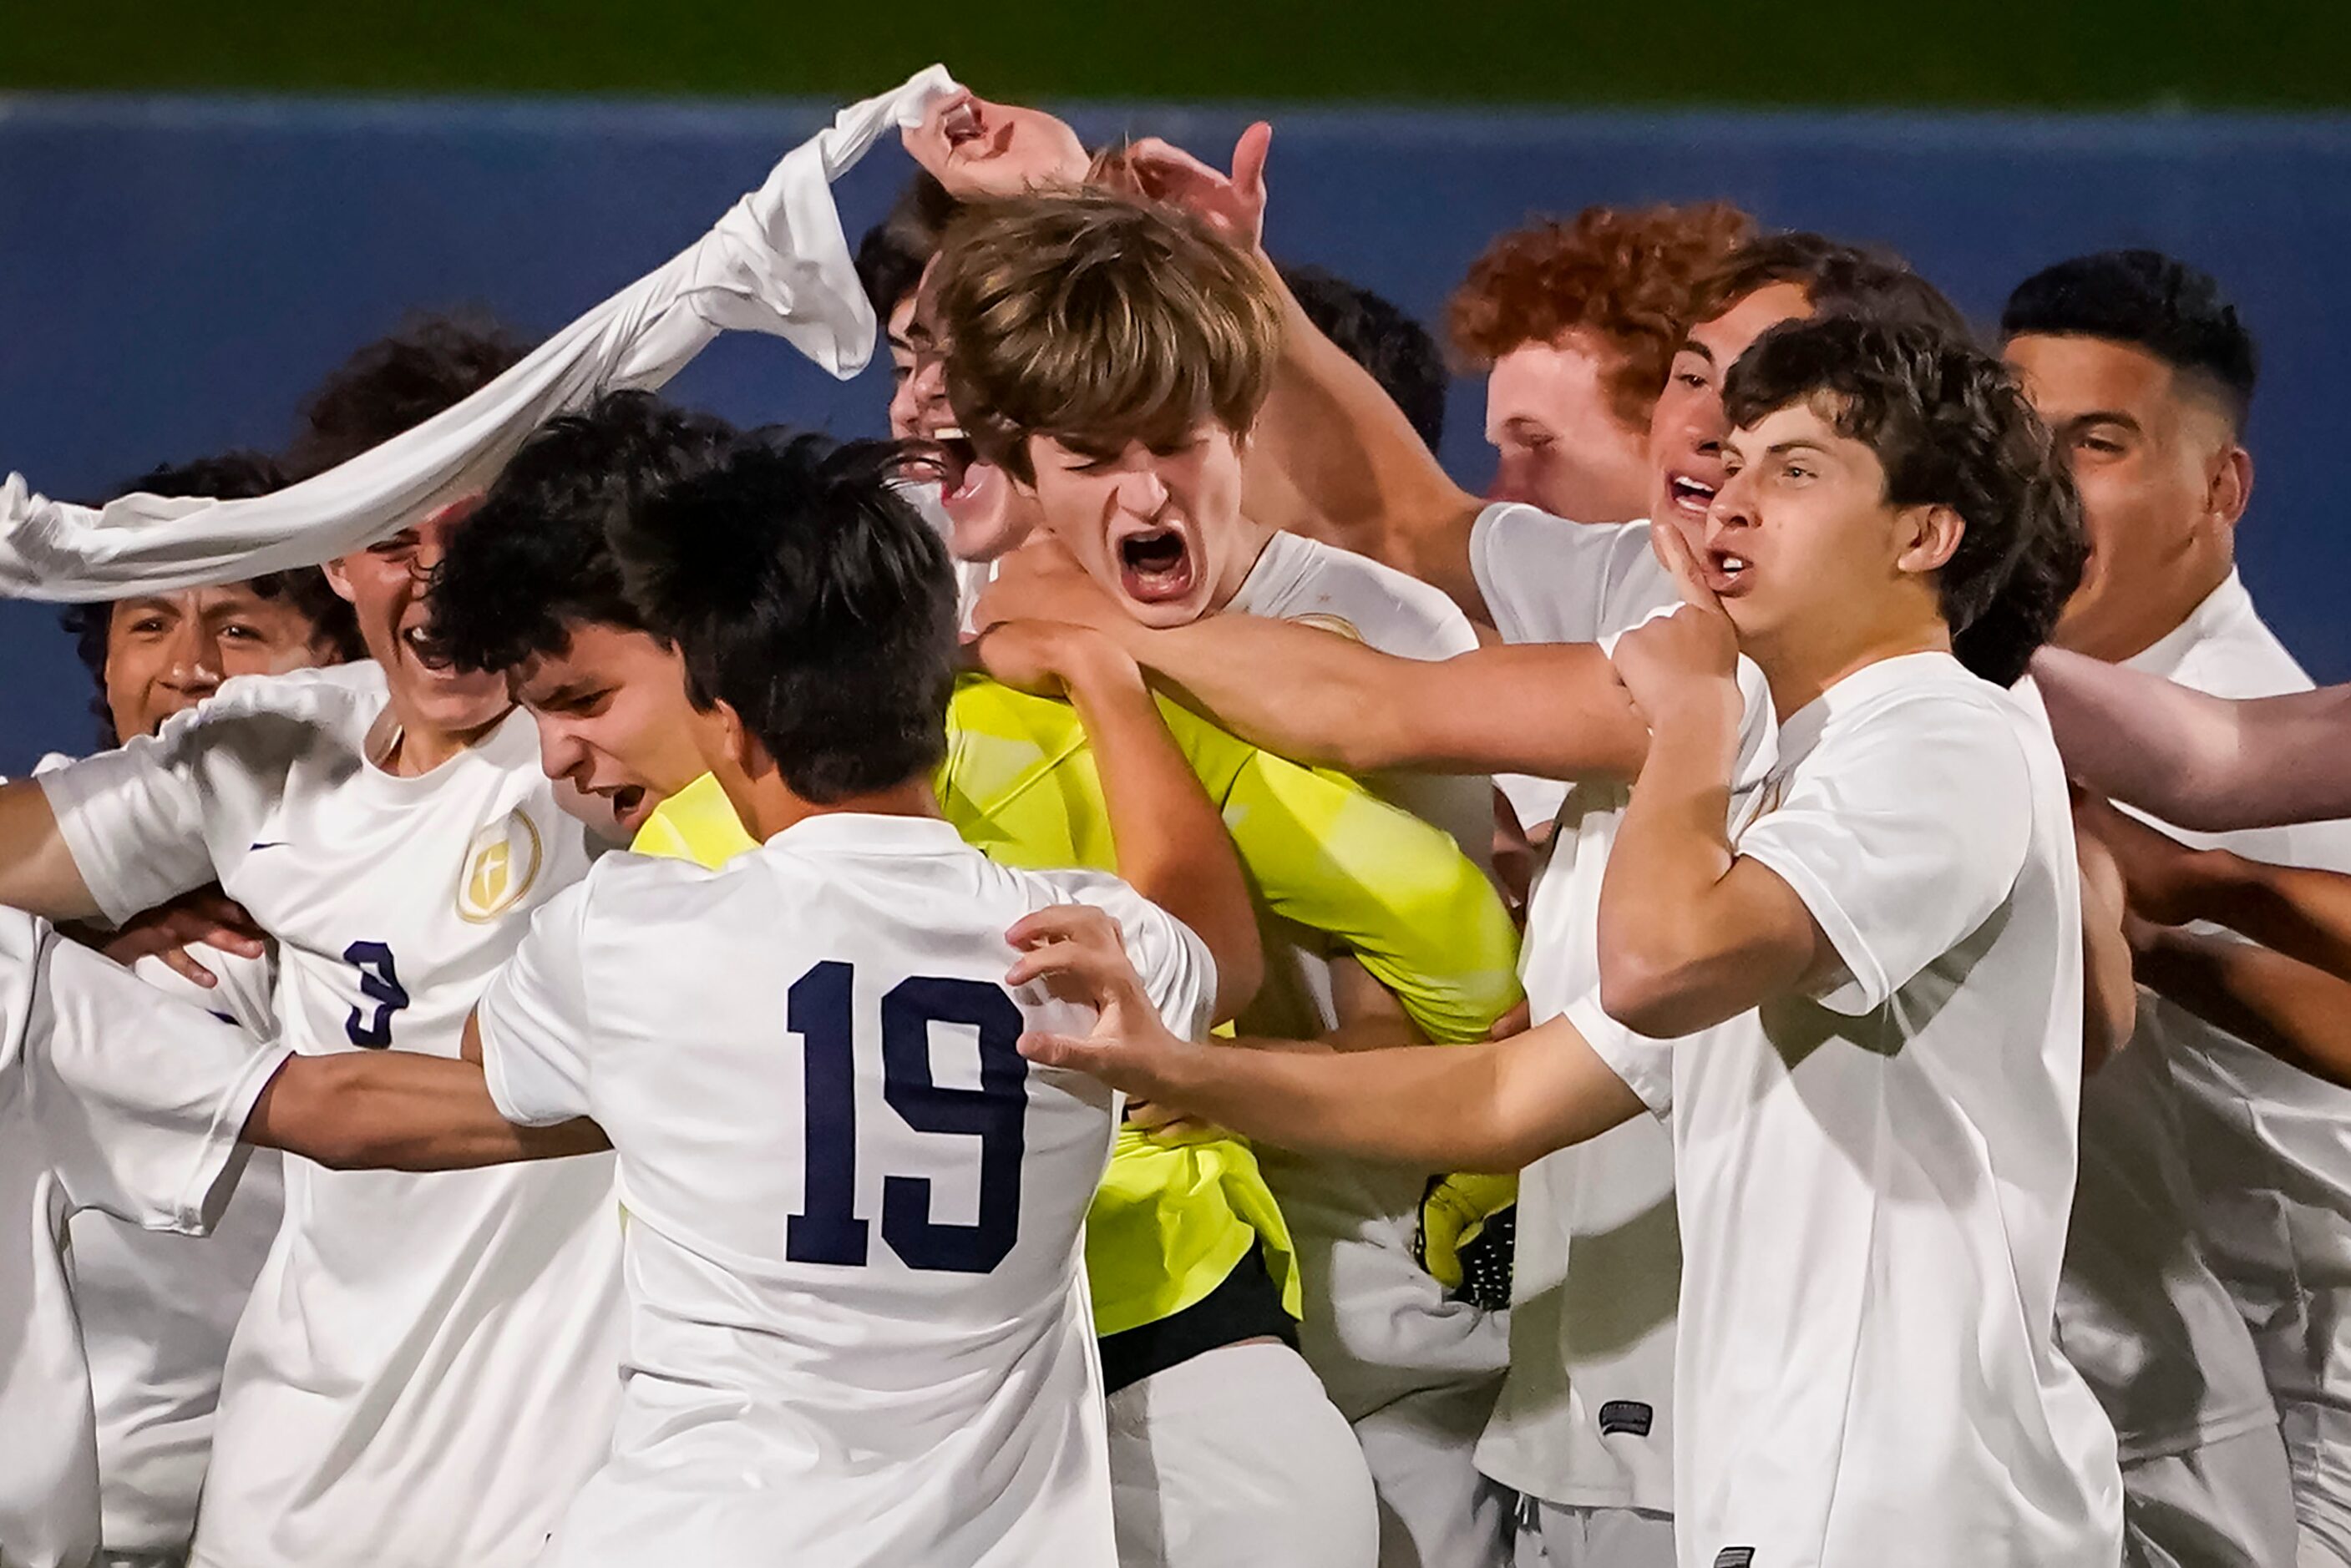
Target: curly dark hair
x: 2151, y: 301
x: 1629, y: 275
x: 1375, y: 333
x: 397, y: 383
x: 1952, y: 428
x: 1839, y: 279
x: 806, y: 593
x: 532, y: 560
x: 233, y: 475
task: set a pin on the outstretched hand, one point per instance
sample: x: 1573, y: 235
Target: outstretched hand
x: 1233, y: 204
x: 1077, y: 950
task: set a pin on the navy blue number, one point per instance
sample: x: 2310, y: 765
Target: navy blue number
x: 827, y: 1230
x: 996, y: 1112
x: 379, y: 983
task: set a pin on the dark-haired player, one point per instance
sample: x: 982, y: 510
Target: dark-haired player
x: 1858, y: 994
x: 830, y: 1147
x: 156, y: 1309
x: 2146, y: 372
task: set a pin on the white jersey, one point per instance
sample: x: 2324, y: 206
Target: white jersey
x: 2264, y: 1141
x: 1875, y: 1182
x: 426, y: 1368
x: 1378, y: 1325
x: 157, y: 1307
x: 1546, y: 579
x: 859, y: 1332
x: 1585, y: 1417
x: 114, y: 1098
x: 776, y: 262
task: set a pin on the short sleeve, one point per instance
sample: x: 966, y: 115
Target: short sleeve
x: 1545, y: 579
x: 139, y: 1099
x: 533, y: 1018
x: 1901, y: 835
x: 1178, y: 971
x: 134, y: 819
x: 1646, y: 1066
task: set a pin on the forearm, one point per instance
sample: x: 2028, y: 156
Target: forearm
x: 1343, y: 448
x: 38, y: 873
x: 1667, y: 932
x: 2296, y: 1013
x: 400, y: 1110
x: 2200, y: 762
x: 2304, y: 914
x: 1172, y: 845
x: 1552, y: 710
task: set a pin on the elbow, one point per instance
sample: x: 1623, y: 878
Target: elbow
x: 1240, y: 969
x: 1644, y: 989
x: 317, y: 1110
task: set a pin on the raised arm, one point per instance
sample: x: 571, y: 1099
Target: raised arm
x: 776, y: 262
x: 2295, y: 1012
x: 1492, y: 1106
x: 2206, y: 763
x: 38, y: 873
x: 1332, y: 453
x: 400, y: 1110
x: 1171, y: 842
x: 1553, y: 710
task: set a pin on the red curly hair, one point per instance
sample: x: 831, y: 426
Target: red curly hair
x: 1629, y: 276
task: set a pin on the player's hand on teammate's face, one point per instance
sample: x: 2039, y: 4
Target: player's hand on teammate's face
x: 1685, y: 664
x: 1233, y: 204
x: 1042, y: 581
x: 978, y: 149
x: 1078, y: 952
x: 205, y: 916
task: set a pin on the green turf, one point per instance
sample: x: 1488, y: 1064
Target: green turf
x: 2108, y: 54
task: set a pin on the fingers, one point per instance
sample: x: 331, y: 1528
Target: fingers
x: 1064, y: 922
x: 1085, y: 970
x: 1062, y: 1050
x: 1681, y: 565
x: 1249, y: 161
x: 183, y: 963
x: 1515, y: 1021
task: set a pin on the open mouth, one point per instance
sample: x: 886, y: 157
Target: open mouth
x: 1154, y: 565
x: 1691, y: 496
x: 1725, y: 572
x: 631, y: 803
x: 413, y: 637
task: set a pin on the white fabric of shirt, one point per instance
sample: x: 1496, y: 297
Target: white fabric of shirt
x: 1378, y: 1325
x: 1585, y: 1417
x: 776, y: 262
x: 426, y: 1368
x: 1547, y: 579
x: 113, y: 1098
x: 2263, y: 1142
x: 1875, y: 1182
x: 895, y: 1410
x: 157, y: 1307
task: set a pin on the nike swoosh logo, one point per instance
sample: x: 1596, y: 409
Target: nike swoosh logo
x: 267, y: 844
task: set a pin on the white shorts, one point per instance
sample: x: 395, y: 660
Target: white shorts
x: 1236, y: 1458
x: 2225, y: 1502
x: 1435, y: 1510
x: 1550, y: 1536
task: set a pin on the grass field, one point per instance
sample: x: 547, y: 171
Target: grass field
x: 2056, y: 54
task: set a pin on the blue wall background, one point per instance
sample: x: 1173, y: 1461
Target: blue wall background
x: 175, y: 274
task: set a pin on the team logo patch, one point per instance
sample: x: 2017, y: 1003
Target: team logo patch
x: 501, y: 864
x: 1735, y: 1557
x: 1338, y: 624
x: 1627, y: 1415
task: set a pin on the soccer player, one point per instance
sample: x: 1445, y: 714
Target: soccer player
x: 925, y: 1388
x: 1860, y: 1000
x: 2146, y: 373
x: 1224, y: 1448
x: 157, y: 1309
x: 1574, y: 322
x: 1111, y: 356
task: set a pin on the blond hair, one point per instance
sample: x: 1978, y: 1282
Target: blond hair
x: 1098, y: 320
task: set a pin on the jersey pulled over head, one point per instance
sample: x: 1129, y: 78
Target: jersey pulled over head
x: 814, y: 610
x: 1952, y: 432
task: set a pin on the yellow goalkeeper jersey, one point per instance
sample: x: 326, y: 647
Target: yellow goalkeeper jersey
x: 1174, y: 1217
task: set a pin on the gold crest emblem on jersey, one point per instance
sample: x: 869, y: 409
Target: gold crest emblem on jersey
x: 1337, y: 624
x: 501, y: 864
